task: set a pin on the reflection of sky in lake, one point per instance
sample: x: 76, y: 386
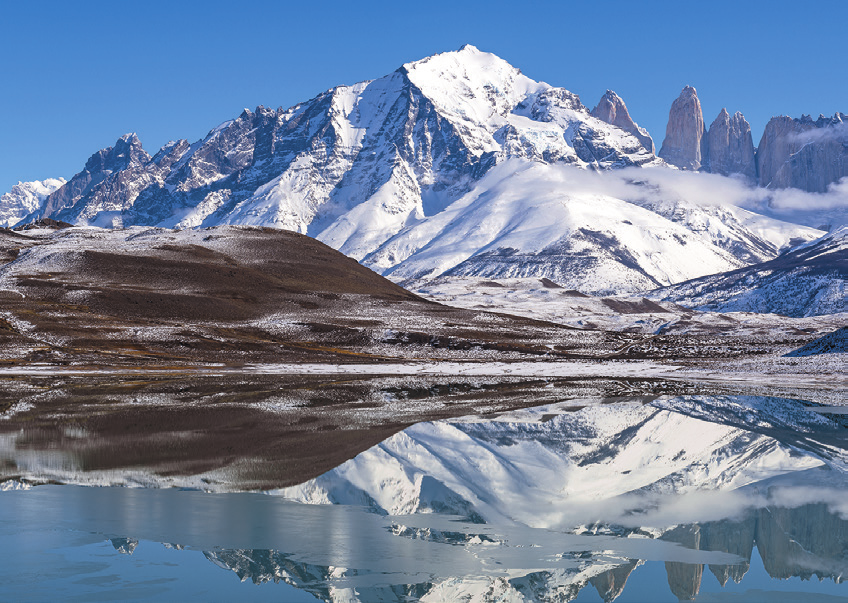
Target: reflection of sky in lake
x: 726, y: 499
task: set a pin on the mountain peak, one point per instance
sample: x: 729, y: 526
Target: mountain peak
x: 130, y: 138
x: 472, y: 88
x: 612, y: 110
x: 730, y: 148
x: 685, y: 132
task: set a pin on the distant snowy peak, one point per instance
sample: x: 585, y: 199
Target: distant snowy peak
x: 25, y: 198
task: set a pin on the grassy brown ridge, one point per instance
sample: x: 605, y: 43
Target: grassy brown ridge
x: 234, y: 294
x: 238, y: 295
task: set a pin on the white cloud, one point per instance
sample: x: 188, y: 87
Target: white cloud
x: 838, y: 131
x: 645, y: 185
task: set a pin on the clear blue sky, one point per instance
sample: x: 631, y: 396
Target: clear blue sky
x: 74, y: 76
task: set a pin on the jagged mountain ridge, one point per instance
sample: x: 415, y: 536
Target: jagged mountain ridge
x: 420, y: 133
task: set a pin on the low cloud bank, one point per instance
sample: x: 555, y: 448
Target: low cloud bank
x: 659, y: 185
x: 838, y: 132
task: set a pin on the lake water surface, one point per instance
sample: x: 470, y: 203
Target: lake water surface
x: 711, y: 498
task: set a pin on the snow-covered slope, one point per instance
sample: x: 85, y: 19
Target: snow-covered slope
x: 835, y: 342
x: 807, y: 280
x: 25, y: 198
x: 528, y: 219
x: 559, y: 464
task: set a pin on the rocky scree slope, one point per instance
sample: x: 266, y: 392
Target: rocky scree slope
x: 835, y: 342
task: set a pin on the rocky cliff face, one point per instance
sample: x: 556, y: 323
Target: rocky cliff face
x: 793, y: 153
x: 612, y: 110
x: 802, y: 153
x: 685, y: 136
x: 730, y: 146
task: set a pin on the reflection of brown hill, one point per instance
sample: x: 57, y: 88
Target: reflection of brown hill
x: 684, y: 579
x: 610, y: 584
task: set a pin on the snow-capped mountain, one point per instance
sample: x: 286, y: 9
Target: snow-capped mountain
x: 807, y: 280
x: 651, y: 469
x: 527, y: 219
x: 454, y: 164
x: 25, y: 198
x: 397, y: 148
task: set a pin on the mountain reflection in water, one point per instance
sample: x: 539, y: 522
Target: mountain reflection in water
x: 553, y: 503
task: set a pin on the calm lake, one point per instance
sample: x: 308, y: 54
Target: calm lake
x: 629, y: 498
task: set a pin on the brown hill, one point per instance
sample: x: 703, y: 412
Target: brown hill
x: 235, y: 295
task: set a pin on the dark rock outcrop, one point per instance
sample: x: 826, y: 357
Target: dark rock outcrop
x: 835, y: 342
x: 611, y: 109
x: 730, y: 146
x: 685, y: 136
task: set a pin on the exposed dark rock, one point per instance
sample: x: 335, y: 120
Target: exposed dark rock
x: 835, y: 342
x: 104, y: 179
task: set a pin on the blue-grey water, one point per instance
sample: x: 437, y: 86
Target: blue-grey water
x: 706, y: 498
